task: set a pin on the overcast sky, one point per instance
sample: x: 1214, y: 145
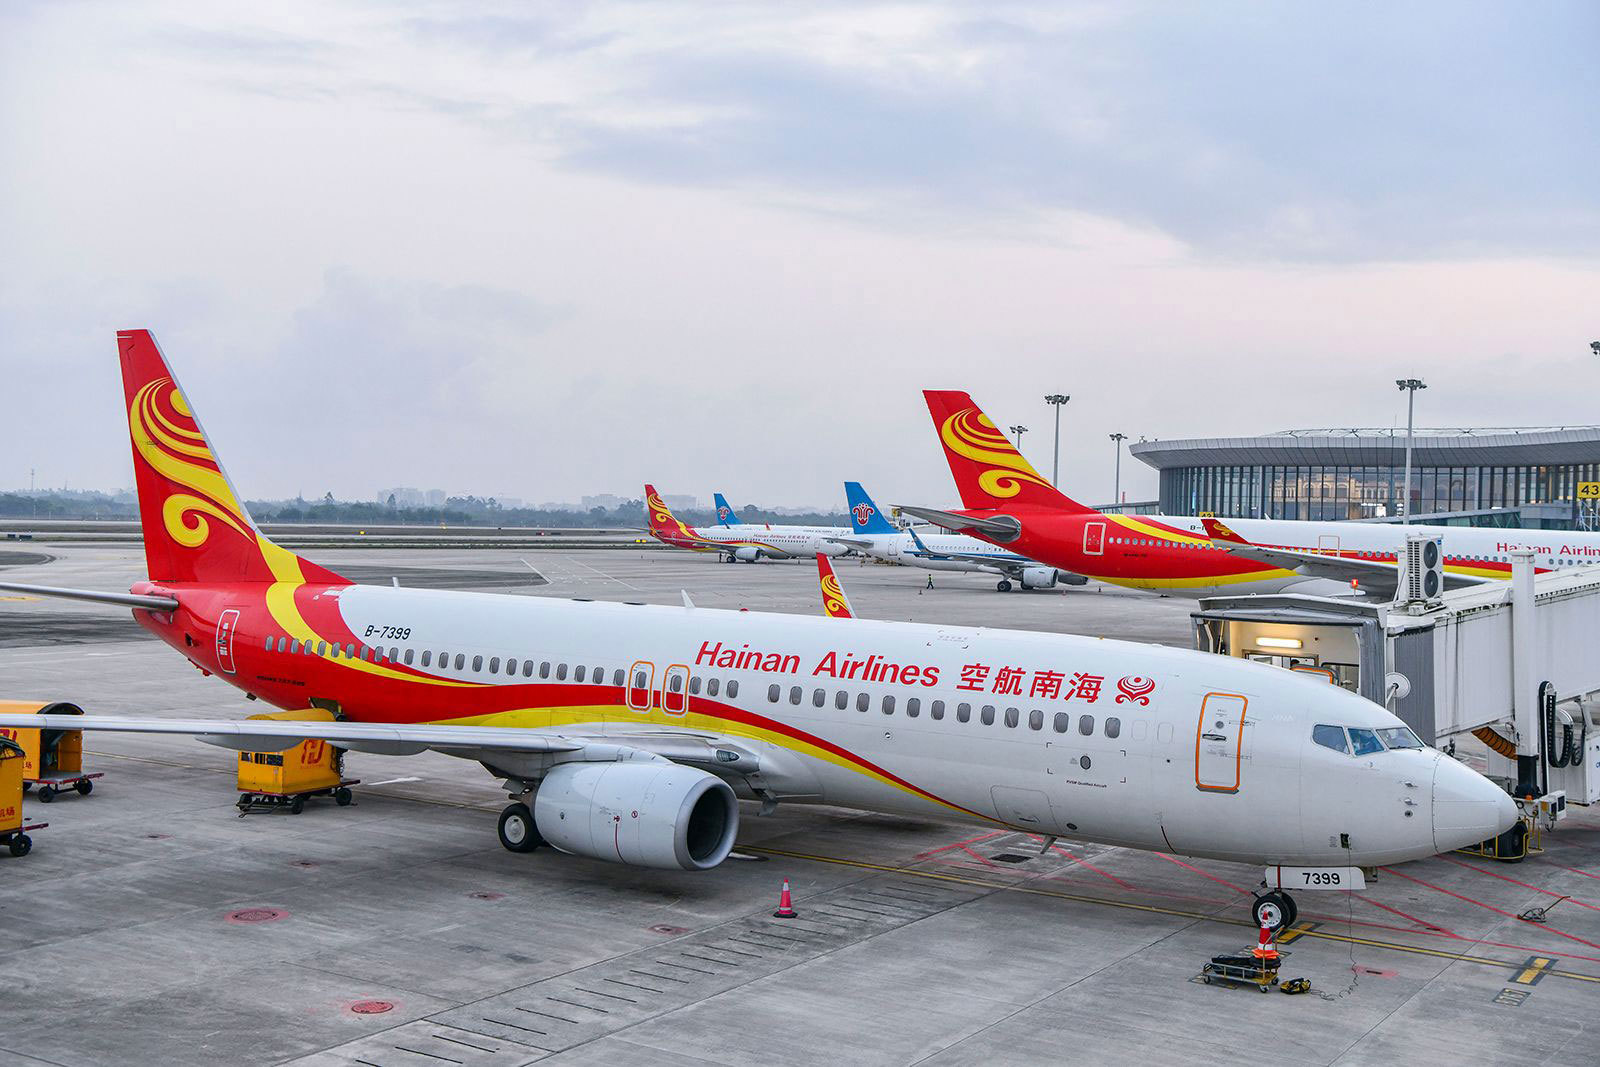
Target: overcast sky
x: 548, y: 249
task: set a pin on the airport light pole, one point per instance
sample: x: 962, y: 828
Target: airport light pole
x: 1409, y: 386
x: 1116, y: 490
x: 1019, y: 431
x: 1056, y: 400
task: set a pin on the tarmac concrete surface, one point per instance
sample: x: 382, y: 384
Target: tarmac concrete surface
x: 151, y: 924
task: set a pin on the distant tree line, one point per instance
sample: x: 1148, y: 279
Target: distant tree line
x: 456, y: 511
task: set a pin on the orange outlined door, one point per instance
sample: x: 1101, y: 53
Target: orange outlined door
x: 641, y: 681
x: 1219, y: 742
x: 1094, y: 538
x: 675, y: 689
x: 226, y: 625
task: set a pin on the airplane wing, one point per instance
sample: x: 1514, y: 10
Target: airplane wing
x: 1373, y: 577
x: 849, y: 542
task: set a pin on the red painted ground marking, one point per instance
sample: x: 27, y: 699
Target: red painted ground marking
x: 1546, y: 928
x: 1574, y: 870
x: 257, y: 915
x: 1092, y: 867
x: 958, y: 844
x: 1425, y: 924
x: 975, y: 856
x: 371, y: 1007
x: 1525, y: 885
x: 1203, y: 874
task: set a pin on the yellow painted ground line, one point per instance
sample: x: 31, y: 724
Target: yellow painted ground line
x: 1349, y: 939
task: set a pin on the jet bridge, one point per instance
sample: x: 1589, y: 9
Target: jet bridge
x: 1511, y: 664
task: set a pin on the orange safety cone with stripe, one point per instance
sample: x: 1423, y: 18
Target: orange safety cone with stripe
x: 1265, y: 949
x: 785, y: 905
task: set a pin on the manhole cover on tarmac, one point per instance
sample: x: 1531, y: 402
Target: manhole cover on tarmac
x: 302, y: 863
x: 1010, y: 857
x: 257, y: 915
x: 371, y: 1007
x: 486, y: 896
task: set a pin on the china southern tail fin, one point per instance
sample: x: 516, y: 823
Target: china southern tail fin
x: 988, y: 469
x: 726, y: 516
x: 196, y: 528
x: 865, y: 518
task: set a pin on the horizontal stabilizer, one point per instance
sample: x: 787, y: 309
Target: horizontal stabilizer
x: 999, y: 527
x: 124, y: 600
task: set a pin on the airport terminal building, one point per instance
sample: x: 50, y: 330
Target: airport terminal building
x: 1513, y: 476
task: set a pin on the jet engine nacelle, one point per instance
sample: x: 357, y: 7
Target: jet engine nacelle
x: 648, y: 814
x: 1038, y: 577
x: 746, y: 554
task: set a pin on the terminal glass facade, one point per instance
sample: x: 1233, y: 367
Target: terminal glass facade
x: 1348, y: 492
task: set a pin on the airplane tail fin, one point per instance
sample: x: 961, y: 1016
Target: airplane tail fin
x: 196, y: 528
x: 988, y: 470
x: 664, y: 526
x: 725, y: 513
x: 865, y: 517
x: 835, y: 605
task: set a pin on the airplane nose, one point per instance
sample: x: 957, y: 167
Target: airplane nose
x: 1467, y: 807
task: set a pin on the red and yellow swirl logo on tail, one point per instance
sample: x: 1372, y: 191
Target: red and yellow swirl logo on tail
x: 169, y: 440
x: 969, y: 433
x: 833, y: 602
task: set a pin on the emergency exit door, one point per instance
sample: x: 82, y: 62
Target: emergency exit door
x: 1219, y: 742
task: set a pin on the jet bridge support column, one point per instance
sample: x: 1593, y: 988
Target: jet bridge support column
x: 1524, y: 644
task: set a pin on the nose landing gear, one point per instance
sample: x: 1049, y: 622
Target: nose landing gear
x: 1275, y: 910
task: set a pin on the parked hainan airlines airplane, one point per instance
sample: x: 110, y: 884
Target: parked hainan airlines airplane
x: 744, y: 542
x: 1008, y: 503
x: 876, y: 536
x: 626, y: 733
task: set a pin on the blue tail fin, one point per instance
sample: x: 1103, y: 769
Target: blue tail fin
x: 865, y: 518
x: 725, y: 514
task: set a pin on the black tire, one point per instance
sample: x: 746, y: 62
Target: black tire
x: 46, y: 794
x: 1272, y: 911
x: 1294, y: 912
x: 21, y: 845
x: 85, y: 787
x: 517, y: 831
x: 244, y: 801
x: 1002, y: 586
x: 342, y: 796
x: 297, y: 805
x: 1512, y: 846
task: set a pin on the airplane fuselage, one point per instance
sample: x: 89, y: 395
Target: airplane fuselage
x: 1099, y: 740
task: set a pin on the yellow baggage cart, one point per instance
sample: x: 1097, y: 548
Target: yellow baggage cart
x: 270, y: 781
x: 52, y: 759
x: 13, y: 831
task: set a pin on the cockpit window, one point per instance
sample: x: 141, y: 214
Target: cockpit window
x: 1365, y: 741
x: 1331, y: 737
x: 1399, y: 737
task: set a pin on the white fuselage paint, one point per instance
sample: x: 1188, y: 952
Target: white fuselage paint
x: 900, y: 548
x: 780, y: 541
x: 1136, y: 783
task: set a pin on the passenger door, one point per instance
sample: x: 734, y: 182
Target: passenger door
x: 1094, y: 538
x: 1219, y: 742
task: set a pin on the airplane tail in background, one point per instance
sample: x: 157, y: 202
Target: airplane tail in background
x: 835, y: 605
x: 196, y: 528
x: 865, y: 518
x: 663, y: 525
x: 988, y: 470
x: 725, y: 514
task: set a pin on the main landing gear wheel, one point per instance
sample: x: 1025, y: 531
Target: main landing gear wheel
x: 517, y: 832
x: 1276, y: 911
x: 1002, y: 586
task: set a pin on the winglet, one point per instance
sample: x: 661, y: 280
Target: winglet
x: 835, y: 605
x: 1217, y: 530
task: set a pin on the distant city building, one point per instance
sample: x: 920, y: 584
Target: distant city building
x: 1358, y: 473
x: 681, y: 501
x: 603, y: 501
x: 407, y: 497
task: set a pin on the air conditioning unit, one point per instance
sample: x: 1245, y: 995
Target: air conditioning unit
x: 1422, y: 573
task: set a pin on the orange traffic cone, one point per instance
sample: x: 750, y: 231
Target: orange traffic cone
x: 785, y: 906
x: 1265, y: 949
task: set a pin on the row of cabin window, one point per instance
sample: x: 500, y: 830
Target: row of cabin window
x: 597, y: 675
x: 1061, y: 722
